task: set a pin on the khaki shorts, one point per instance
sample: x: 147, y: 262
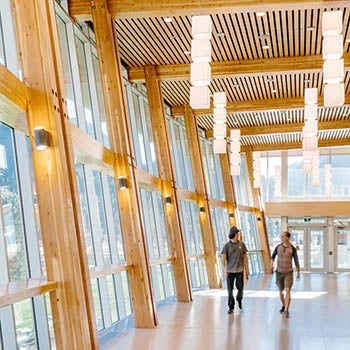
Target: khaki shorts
x: 284, y: 280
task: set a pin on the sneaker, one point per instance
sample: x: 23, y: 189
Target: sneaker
x: 282, y: 309
x: 230, y: 311
x: 239, y: 303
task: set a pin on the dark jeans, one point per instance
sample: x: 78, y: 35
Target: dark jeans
x: 231, y: 278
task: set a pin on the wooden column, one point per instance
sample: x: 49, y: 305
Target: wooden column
x: 120, y: 141
x: 259, y: 215
x: 213, y: 267
x: 55, y: 178
x: 228, y: 188
x: 165, y: 168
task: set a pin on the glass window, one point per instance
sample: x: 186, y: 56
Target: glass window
x: 212, y: 167
x: 157, y: 244
x: 25, y: 323
x: 8, y: 42
x: 81, y: 47
x: 67, y: 69
x: 249, y: 230
x: 11, y: 209
x: 296, y: 177
x: 270, y: 169
x: 242, y: 185
x: 221, y: 226
x: 104, y: 244
x: 82, y: 77
x: 142, y: 131
x: 340, y: 174
x: 101, y: 104
x: 2, y: 50
x: 180, y: 153
x: 193, y: 243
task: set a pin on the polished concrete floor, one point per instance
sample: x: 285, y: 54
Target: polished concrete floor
x: 319, y: 319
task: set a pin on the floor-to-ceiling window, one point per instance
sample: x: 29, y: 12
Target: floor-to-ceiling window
x: 26, y: 323
x: 104, y: 246
x: 194, y: 244
x: 158, y: 245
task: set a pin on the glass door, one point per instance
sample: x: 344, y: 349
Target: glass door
x: 298, y: 239
x: 310, y: 246
x: 342, y: 249
x: 316, y: 249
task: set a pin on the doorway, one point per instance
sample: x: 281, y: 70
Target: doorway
x: 342, y: 245
x: 311, y: 246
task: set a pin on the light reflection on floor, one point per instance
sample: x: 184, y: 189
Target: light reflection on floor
x: 261, y: 294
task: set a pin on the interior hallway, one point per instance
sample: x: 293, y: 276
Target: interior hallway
x: 319, y: 319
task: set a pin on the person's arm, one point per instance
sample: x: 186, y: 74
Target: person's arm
x: 273, y: 259
x: 224, y: 262
x: 296, y: 261
x: 246, y: 266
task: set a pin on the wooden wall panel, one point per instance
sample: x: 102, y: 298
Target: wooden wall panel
x: 120, y: 140
x: 213, y: 269
x: 55, y: 177
x: 165, y: 168
x: 307, y: 208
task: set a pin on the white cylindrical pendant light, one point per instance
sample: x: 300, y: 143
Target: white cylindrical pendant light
x: 199, y: 97
x: 235, y: 134
x: 310, y: 111
x: 333, y: 71
x: 332, y: 23
x: 334, y: 95
x: 201, y: 27
x: 219, y: 146
x: 219, y: 115
x: 310, y: 96
x: 219, y: 99
x: 200, y: 74
x: 332, y: 47
x: 219, y: 131
x: 200, y: 51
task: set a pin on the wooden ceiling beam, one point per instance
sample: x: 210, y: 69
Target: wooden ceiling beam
x: 286, y: 128
x: 255, y: 106
x: 259, y: 67
x: 81, y: 9
x: 296, y: 145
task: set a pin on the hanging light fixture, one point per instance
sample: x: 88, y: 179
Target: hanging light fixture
x: 200, y: 74
x: 332, y: 23
x: 219, y: 115
x: 200, y: 68
x: 199, y: 97
x: 332, y: 52
x: 334, y: 95
x: 219, y: 131
x: 201, y: 27
x: 219, y: 99
x: 219, y: 146
x: 310, y: 96
x: 200, y: 51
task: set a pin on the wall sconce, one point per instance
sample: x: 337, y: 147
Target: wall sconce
x: 42, y: 138
x: 122, y: 183
x: 231, y: 215
x: 201, y: 210
x: 167, y: 200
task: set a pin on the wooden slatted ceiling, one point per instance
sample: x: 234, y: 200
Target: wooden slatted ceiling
x: 236, y: 36
x: 290, y: 30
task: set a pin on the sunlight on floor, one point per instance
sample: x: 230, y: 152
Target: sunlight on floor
x: 261, y: 294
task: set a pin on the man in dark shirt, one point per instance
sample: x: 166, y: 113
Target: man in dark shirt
x: 235, y: 263
x: 284, y: 272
